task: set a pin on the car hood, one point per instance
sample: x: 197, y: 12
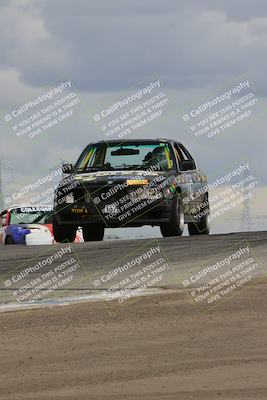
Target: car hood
x: 116, y: 176
x: 35, y: 227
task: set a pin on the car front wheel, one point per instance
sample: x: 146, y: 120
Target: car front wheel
x: 94, y: 232
x: 63, y: 233
x: 201, y: 227
x: 175, y: 226
x: 9, y: 240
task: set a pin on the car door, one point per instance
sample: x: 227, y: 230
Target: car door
x: 184, y: 177
x: 199, y: 182
x: 191, y: 175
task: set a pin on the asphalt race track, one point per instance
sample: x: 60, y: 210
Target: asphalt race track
x: 183, y: 254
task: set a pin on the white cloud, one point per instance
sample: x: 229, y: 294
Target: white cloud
x: 13, y: 89
x: 20, y: 20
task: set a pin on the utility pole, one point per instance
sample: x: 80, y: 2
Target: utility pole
x: 2, y: 168
x: 246, y: 219
x: 1, y: 188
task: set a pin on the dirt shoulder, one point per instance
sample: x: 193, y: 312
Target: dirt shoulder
x: 157, y: 348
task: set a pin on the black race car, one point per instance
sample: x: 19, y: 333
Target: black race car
x: 132, y: 183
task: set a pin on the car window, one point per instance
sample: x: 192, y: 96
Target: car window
x: 29, y: 216
x: 182, y: 154
x: 127, y: 156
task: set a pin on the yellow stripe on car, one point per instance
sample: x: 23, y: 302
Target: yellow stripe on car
x: 131, y: 182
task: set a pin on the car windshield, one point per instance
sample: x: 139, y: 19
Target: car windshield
x: 31, y: 215
x: 126, y: 156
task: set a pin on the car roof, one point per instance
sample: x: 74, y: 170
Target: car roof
x: 138, y: 140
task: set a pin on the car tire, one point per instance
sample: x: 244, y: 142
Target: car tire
x: 63, y: 233
x: 93, y: 232
x: 175, y: 226
x: 9, y: 240
x: 203, y: 226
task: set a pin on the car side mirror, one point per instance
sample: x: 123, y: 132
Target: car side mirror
x: 67, y: 168
x: 186, y: 165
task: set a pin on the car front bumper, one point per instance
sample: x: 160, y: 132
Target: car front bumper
x: 88, y: 213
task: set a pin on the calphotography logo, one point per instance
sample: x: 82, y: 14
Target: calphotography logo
x: 225, y: 276
x: 45, y: 278
x: 223, y: 112
x: 128, y: 115
x: 132, y: 276
x: 45, y: 112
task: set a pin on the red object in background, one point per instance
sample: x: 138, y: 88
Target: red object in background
x: 78, y: 239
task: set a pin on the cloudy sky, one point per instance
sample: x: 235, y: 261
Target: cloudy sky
x: 105, y: 47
